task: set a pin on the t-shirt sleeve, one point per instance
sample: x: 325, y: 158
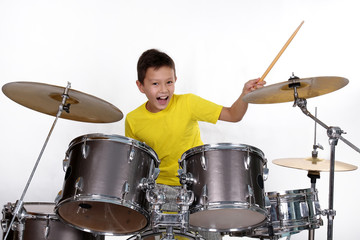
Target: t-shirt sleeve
x: 203, y: 110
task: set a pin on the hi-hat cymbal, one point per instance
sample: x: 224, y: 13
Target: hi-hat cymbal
x: 313, y: 164
x: 46, y: 99
x: 309, y: 87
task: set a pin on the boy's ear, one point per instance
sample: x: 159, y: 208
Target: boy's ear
x: 140, y: 86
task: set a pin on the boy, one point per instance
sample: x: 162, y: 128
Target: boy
x: 167, y: 122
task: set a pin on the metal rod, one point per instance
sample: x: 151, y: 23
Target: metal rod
x: 334, y: 134
x: 19, y: 203
x: 301, y: 103
x: 331, y: 212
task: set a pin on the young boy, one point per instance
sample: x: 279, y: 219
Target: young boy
x: 167, y: 122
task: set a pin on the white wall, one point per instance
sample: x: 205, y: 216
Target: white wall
x: 217, y: 46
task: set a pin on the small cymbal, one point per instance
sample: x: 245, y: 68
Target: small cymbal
x: 309, y: 87
x: 313, y: 164
x: 46, y: 99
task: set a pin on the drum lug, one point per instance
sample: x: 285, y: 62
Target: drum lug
x: 125, y: 189
x: 265, y: 172
x: 47, y: 229
x: 66, y: 163
x: 79, y: 184
x: 132, y: 153
x: 203, y: 161
x: 248, y: 159
x: 204, y: 196
x: 85, y: 150
x: 251, y: 195
x: 59, y: 196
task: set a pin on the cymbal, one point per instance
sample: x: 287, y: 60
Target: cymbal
x: 313, y: 164
x: 309, y: 87
x: 46, y: 99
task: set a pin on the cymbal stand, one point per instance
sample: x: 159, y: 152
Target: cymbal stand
x: 334, y: 134
x: 63, y: 106
x: 313, y: 175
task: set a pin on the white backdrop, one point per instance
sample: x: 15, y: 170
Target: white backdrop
x: 217, y: 47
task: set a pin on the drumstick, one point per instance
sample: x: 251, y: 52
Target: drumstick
x: 281, y: 52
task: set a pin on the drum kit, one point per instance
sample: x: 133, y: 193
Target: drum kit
x: 109, y: 181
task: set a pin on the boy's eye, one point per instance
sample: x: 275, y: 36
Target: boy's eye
x: 169, y: 82
x: 155, y: 83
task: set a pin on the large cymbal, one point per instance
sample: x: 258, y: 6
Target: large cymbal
x: 309, y: 87
x: 46, y: 99
x: 313, y: 164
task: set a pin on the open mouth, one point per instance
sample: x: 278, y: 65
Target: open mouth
x: 162, y: 100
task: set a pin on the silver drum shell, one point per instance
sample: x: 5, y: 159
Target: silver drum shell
x: 228, y: 185
x: 101, y: 191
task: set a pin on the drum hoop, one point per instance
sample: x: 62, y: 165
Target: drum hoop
x: 116, y: 138
x: 296, y: 223
x: 104, y: 199
x: 290, y: 193
x: 108, y: 200
x: 221, y: 146
x: 282, y: 229
x: 241, y: 229
x: 229, y: 205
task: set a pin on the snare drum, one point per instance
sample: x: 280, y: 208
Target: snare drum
x: 101, y: 191
x: 38, y: 221
x: 291, y: 212
x: 228, y: 184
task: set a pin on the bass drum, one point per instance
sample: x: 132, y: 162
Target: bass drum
x: 102, y: 190
x: 228, y: 184
x: 38, y: 221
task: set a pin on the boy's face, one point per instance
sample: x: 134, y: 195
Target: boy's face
x: 159, y: 87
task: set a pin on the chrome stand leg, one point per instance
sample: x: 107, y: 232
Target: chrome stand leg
x: 20, y: 202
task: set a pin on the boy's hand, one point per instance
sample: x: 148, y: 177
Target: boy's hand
x: 252, y: 85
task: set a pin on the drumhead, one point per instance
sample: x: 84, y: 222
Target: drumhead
x: 221, y: 146
x: 114, y: 138
x: 39, y: 208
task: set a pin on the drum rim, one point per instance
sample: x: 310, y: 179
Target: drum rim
x: 293, y: 192
x: 95, y: 198
x: 229, y: 205
x: 315, y: 223
x: 220, y: 146
x: 113, y: 137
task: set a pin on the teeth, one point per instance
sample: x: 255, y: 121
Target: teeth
x: 163, y: 98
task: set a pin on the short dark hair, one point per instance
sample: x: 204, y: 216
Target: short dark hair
x: 153, y: 58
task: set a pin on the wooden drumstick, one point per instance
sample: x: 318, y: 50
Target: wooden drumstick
x: 281, y: 52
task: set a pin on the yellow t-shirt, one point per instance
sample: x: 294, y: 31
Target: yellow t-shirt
x: 171, y: 131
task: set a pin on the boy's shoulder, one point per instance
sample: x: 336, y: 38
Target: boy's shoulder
x: 184, y: 96
x: 136, y: 111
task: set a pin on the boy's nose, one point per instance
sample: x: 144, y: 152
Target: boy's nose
x: 163, y: 88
